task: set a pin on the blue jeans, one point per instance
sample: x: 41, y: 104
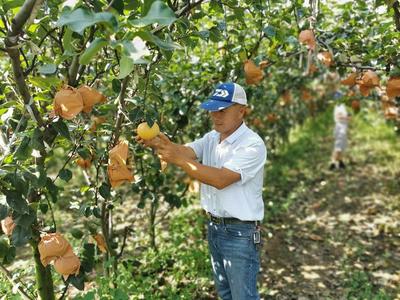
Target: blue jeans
x: 235, y: 260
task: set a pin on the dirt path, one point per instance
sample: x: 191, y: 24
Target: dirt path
x: 341, y: 237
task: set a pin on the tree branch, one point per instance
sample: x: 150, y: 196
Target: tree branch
x: 24, y: 57
x: 49, y: 33
x: 12, y: 47
x: 81, y: 70
x: 73, y: 71
x: 98, y: 74
x: 120, y: 116
x: 126, y: 230
x: 76, y: 69
x: 359, y: 67
x: 189, y: 7
x: 22, y: 17
x: 3, y: 18
x: 258, y: 43
x: 256, y: 46
x: 30, y: 69
x: 64, y: 291
x: 71, y: 154
x: 15, y: 282
x: 179, y: 14
x: 396, y: 16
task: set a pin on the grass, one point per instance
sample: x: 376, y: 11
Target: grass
x: 180, y: 269
x: 291, y: 168
x: 359, y: 286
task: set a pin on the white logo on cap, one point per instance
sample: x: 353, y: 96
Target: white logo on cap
x: 221, y: 93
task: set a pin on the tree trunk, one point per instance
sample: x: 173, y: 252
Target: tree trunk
x: 152, y: 225
x: 44, y: 280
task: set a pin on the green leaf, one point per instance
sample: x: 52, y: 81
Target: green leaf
x: 77, y: 281
x: 47, y: 82
x: 65, y: 175
x: 136, y: 114
x: 204, y: 34
x: 133, y: 51
x: 16, y: 202
x: 126, y: 66
x: 84, y: 189
x: 270, y: 31
x: 119, y: 294
x: 88, y: 296
x: 9, y: 159
x: 41, y: 180
x: 10, y: 255
x: 87, y: 257
x: 147, y: 36
x: 216, y: 35
x: 97, y: 212
x: 47, y: 69
x: 67, y: 42
x: 390, y: 3
x: 118, y: 5
x: 395, y: 72
x: 37, y: 140
x: 3, y: 247
x: 52, y: 190
x: 37, y: 177
x: 159, y: 13
x: 62, y: 128
x: 10, y: 4
x: 87, y: 211
x: 116, y: 85
x: 92, y: 50
x: 23, y: 151
x: 76, y: 233
x: 3, y: 211
x: 81, y: 18
x: 105, y: 191
x: 26, y: 220
x: 149, y: 120
x: 43, y: 208
x: 215, y: 6
x: 166, y: 54
x: 20, y: 235
x: 145, y: 7
x: 141, y: 204
x: 84, y: 153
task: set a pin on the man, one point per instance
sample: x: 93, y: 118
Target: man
x: 229, y: 163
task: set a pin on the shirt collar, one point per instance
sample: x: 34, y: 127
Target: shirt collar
x: 236, y: 134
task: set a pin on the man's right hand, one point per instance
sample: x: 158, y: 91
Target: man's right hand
x: 152, y: 143
x: 159, y: 141
x: 162, y: 142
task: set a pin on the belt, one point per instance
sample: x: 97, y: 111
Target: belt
x: 220, y: 220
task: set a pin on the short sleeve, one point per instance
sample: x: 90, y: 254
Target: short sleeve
x: 247, y: 160
x: 198, y: 147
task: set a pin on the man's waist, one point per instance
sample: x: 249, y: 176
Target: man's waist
x: 229, y: 220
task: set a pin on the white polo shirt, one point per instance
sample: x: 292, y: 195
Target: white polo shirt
x: 243, y: 152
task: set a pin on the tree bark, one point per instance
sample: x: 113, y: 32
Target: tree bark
x: 44, y: 280
x: 396, y: 8
x: 12, y: 48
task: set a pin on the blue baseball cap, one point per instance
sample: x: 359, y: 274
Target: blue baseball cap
x: 225, y: 95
